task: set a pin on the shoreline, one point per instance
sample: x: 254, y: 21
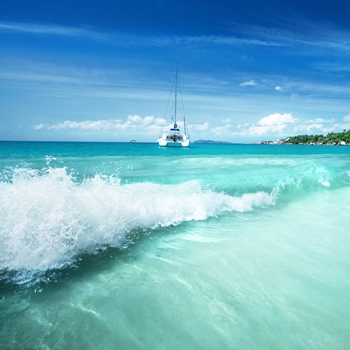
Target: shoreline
x: 341, y: 143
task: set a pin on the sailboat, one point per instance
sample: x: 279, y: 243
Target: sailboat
x: 175, y: 137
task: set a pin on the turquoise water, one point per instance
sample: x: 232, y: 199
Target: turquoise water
x: 132, y: 246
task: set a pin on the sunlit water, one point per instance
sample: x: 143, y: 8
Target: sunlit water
x: 131, y: 246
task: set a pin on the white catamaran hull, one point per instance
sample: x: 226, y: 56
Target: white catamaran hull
x: 170, y: 141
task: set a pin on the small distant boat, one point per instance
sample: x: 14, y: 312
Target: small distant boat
x: 175, y: 137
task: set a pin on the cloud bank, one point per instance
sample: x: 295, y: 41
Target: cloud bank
x: 248, y: 83
x: 274, y: 123
x: 135, y: 124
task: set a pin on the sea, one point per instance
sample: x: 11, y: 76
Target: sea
x: 133, y: 246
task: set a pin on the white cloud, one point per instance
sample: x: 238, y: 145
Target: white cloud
x: 85, y: 125
x: 51, y: 29
x: 278, y: 88
x: 136, y: 119
x: 112, y: 38
x: 254, y: 35
x: 220, y: 130
x: 277, y: 119
x: 274, y: 123
x: 248, y: 83
x: 316, y: 125
x: 149, y: 120
x: 39, y: 127
x: 347, y: 118
x: 311, y: 127
x: 240, y: 126
x: 319, y: 121
x: 313, y: 121
x: 226, y: 121
x: 200, y: 127
x: 133, y: 123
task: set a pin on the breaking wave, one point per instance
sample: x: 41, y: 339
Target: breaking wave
x: 47, y: 218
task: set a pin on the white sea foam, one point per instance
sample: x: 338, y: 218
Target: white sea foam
x: 47, y: 218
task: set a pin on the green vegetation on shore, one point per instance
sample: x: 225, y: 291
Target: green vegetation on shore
x: 329, y: 139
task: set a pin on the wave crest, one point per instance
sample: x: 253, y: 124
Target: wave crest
x: 47, y: 218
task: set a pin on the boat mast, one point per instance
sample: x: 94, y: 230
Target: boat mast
x: 184, y: 126
x: 175, y: 91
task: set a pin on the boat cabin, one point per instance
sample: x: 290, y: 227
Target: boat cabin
x: 174, y: 138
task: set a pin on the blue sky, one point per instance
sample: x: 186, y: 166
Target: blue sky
x: 102, y: 71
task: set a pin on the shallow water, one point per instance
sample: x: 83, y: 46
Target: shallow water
x: 135, y: 247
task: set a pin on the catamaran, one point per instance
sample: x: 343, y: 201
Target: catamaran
x: 175, y: 137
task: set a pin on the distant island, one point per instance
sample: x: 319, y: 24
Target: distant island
x: 211, y: 141
x: 331, y: 139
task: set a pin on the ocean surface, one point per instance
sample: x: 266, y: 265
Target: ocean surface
x: 132, y: 246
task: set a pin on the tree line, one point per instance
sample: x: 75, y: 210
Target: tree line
x: 330, y: 138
